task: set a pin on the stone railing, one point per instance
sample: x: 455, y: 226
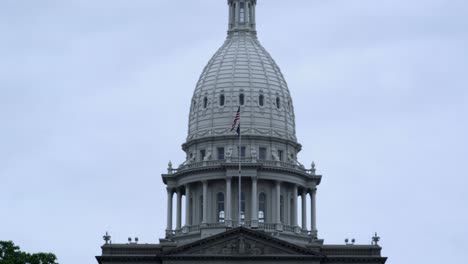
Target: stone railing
x: 267, y: 227
x: 269, y: 163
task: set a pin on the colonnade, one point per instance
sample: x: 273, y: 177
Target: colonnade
x: 228, y: 206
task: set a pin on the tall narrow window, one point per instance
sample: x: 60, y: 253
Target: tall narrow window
x: 261, y: 207
x: 292, y: 216
x: 205, y: 102
x: 280, y: 155
x: 241, y: 99
x: 202, y: 154
x: 194, y: 105
x: 281, y: 209
x: 242, y: 152
x: 221, y: 100
x: 261, y: 99
x: 242, y: 212
x: 220, y: 153
x: 242, y: 12
x: 278, y: 102
x: 220, y: 203
x: 200, y: 208
x: 262, y: 154
x: 190, y: 212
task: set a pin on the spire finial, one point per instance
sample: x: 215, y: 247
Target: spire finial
x: 375, y: 239
x: 106, y: 237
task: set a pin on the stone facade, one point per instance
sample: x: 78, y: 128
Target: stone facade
x: 245, y: 196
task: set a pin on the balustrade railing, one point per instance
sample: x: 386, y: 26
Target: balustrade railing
x: 267, y: 227
x: 272, y: 163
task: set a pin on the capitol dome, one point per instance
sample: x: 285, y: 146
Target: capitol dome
x: 242, y: 73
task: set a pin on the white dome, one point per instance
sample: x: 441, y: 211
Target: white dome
x: 242, y: 67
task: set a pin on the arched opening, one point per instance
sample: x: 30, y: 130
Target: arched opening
x: 220, y: 207
x: 261, y: 207
x: 221, y: 100
x: 261, y: 100
x: 278, y: 102
x: 205, y: 102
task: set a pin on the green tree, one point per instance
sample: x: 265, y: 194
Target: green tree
x: 11, y: 254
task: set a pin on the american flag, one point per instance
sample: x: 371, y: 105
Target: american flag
x: 236, y: 120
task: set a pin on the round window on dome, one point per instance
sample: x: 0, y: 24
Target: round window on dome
x: 261, y: 100
x: 205, y: 102
x: 221, y: 100
x: 278, y: 102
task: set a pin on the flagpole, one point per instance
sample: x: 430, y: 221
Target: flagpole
x: 240, y: 169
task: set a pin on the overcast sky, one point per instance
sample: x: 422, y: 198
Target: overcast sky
x: 94, y: 101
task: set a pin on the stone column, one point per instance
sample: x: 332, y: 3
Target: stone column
x: 294, y: 209
x: 304, y: 210
x: 228, y: 203
x: 188, y: 210
x: 313, y: 219
x: 169, y: 211
x: 205, y: 202
x: 278, y: 202
x: 179, y: 209
x: 254, y: 219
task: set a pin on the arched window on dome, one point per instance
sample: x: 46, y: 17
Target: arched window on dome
x: 261, y: 207
x: 194, y: 105
x: 221, y: 100
x: 220, y: 205
x: 278, y: 102
x: 241, y: 99
x: 261, y: 100
x: 205, y: 102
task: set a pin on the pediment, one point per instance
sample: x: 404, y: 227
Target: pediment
x: 240, y: 242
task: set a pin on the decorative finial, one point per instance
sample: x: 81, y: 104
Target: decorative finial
x: 169, y: 167
x: 352, y: 241
x: 312, y: 169
x: 129, y: 240
x: 136, y: 240
x: 375, y: 239
x: 106, y: 237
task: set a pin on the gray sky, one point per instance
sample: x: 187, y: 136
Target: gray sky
x: 94, y: 100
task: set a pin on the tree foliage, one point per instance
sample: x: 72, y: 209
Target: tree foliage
x: 11, y: 254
